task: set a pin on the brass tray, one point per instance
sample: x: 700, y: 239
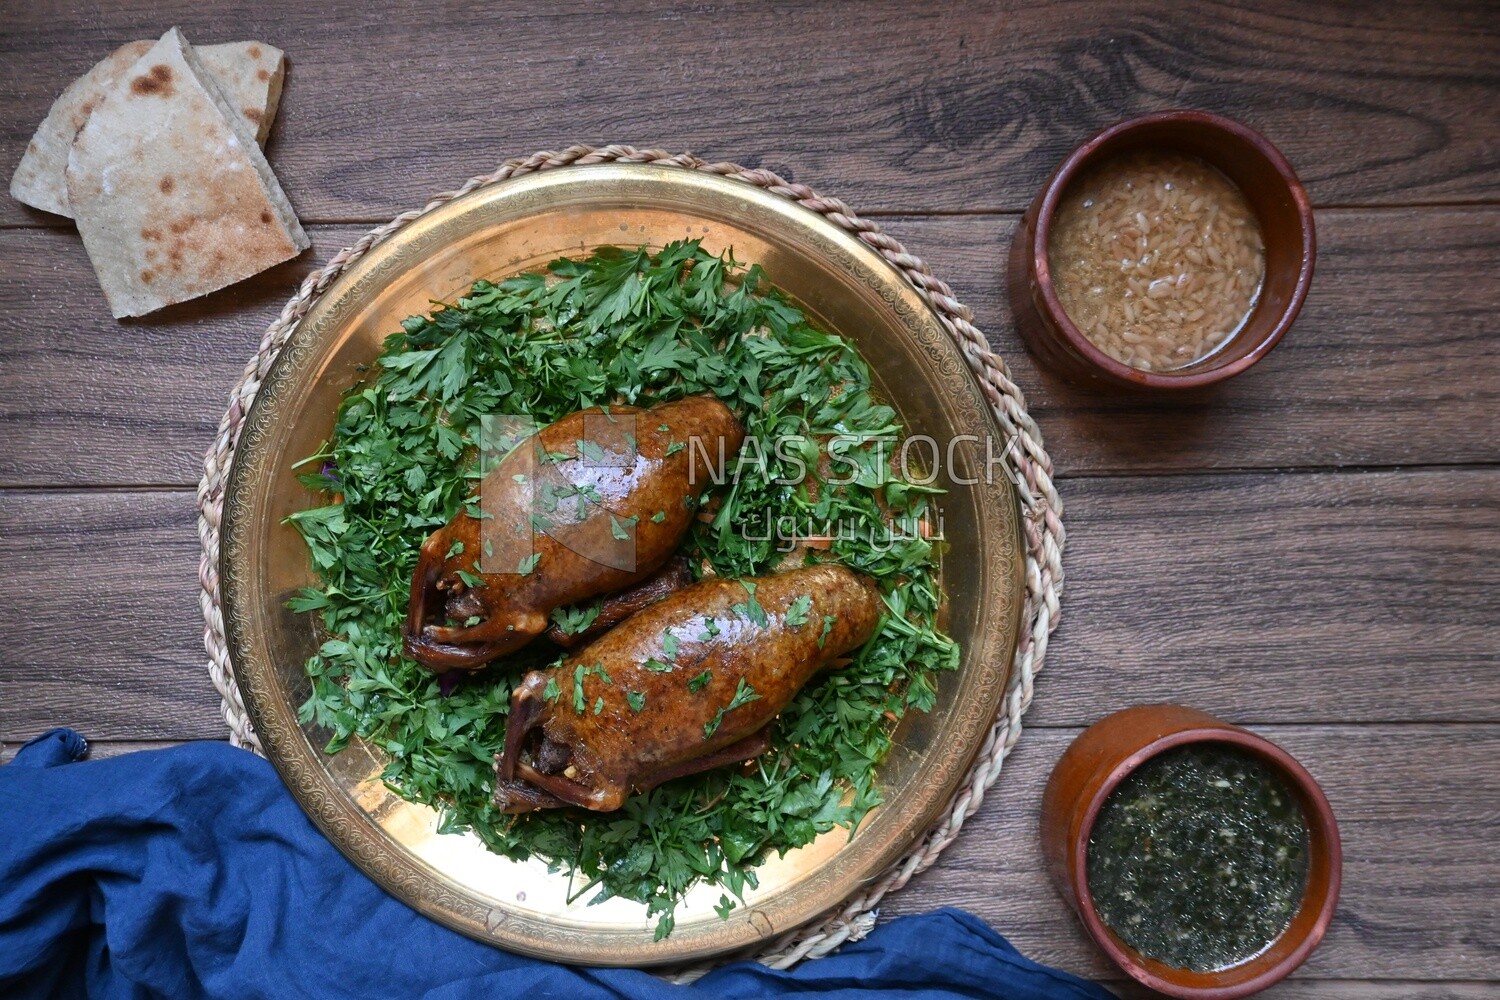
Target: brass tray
x: 520, y: 225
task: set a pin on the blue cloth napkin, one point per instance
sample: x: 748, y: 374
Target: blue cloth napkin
x: 191, y: 872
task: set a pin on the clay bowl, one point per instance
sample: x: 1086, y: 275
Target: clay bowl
x: 1095, y: 765
x: 1275, y: 195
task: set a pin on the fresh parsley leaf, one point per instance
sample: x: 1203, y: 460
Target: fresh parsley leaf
x: 701, y: 681
x: 579, y: 701
x: 527, y: 565
x: 743, y: 695
x: 636, y: 699
x: 750, y: 608
x: 796, y: 612
x: 576, y: 620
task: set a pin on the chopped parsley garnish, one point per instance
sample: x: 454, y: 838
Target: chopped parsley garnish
x: 796, y: 612
x: 751, y: 608
x: 701, y: 681
x: 579, y: 702
x: 744, y: 694
x: 636, y: 699
x: 590, y: 451
x: 576, y: 620
x: 580, y: 672
x: 633, y: 327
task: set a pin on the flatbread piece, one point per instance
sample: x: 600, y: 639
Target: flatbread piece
x: 249, y: 74
x: 172, y: 196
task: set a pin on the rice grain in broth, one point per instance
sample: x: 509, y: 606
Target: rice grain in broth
x: 1157, y: 258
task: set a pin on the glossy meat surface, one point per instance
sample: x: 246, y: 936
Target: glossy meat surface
x: 593, y: 503
x: 689, y: 683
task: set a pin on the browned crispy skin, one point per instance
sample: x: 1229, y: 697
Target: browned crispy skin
x: 557, y: 755
x: 555, y: 512
x: 615, y: 608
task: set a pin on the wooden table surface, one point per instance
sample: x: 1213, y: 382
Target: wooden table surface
x: 1313, y: 550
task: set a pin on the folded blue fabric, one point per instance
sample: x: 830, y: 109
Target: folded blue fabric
x: 191, y: 872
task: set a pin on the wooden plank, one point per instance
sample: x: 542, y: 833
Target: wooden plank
x: 86, y: 400
x: 1418, y: 821
x: 108, y: 583
x: 1392, y: 362
x: 1371, y: 597
x: 950, y: 106
x: 1273, y: 598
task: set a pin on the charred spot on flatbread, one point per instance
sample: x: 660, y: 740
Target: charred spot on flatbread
x: 157, y: 82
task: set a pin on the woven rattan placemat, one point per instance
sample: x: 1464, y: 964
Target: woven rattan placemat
x: 1041, y: 507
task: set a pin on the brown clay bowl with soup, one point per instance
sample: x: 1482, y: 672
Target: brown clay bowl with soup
x: 1125, y: 745
x: 1275, y: 198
